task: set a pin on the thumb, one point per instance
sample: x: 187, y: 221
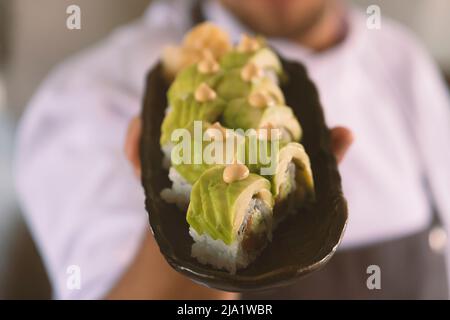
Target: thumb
x: 132, y: 144
x: 341, y: 140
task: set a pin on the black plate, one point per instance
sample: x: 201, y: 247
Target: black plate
x: 301, y: 244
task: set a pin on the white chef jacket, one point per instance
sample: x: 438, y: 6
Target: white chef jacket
x: 85, y: 208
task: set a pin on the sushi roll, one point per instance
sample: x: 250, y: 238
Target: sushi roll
x: 230, y: 216
x: 285, y: 165
x: 207, y: 70
x: 249, y: 68
x: 242, y: 82
x: 292, y: 182
x: 183, y: 174
x: 293, y: 173
x: 192, y: 87
x: 204, y: 36
x: 202, y: 105
x: 253, y: 50
x: 260, y: 110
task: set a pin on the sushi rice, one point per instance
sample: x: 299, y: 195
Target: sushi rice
x: 180, y: 192
x: 235, y: 256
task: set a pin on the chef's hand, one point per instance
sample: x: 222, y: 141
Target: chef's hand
x: 341, y: 139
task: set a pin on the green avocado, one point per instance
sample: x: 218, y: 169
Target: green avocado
x: 191, y: 171
x: 263, y: 58
x: 240, y: 114
x: 201, y: 148
x: 235, y: 60
x: 272, y: 161
x: 218, y: 208
x: 231, y: 86
x: 260, y: 154
x: 296, y: 154
x: 251, y: 151
x: 188, y: 80
x: 185, y: 111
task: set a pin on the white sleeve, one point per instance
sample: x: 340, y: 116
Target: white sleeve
x: 430, y: 115
x: 431, y: 120
x: 80, y: 198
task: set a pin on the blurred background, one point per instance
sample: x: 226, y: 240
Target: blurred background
x: 34, y: 38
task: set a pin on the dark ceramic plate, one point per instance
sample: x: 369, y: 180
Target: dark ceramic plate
x: 301, y: 244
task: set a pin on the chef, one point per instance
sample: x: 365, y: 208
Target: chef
x: 379, y: 89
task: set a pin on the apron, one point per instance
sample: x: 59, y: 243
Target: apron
x: 409, y: 267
